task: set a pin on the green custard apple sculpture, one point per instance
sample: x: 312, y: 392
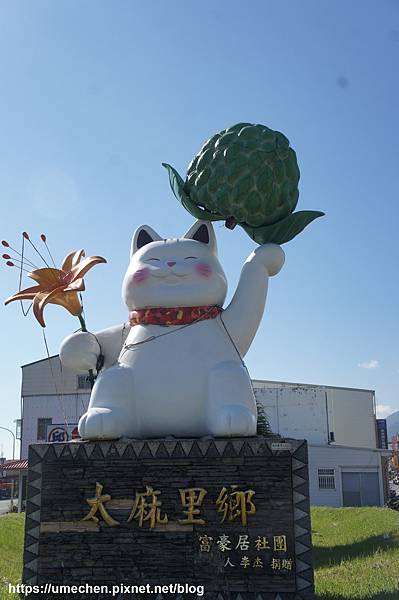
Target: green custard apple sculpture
x: 245, y: 175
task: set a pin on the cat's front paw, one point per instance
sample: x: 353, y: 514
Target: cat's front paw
x: 233, y: 420
x: 271, y: 256
x: 80, y: 351
x: 101, y: 424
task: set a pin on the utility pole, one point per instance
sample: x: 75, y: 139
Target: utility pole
x: 13, y: 457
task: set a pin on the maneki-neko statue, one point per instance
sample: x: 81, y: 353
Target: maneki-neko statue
x: 177, y: 367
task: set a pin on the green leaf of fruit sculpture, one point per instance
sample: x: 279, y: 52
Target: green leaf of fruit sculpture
x: 247, y: 175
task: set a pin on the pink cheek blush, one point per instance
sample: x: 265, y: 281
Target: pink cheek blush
x: 141, y: 275
x: 204, y: 270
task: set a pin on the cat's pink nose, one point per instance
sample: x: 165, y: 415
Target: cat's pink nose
x: 171, y: 263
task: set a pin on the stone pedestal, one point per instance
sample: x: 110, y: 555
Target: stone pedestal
x: 231, y: 515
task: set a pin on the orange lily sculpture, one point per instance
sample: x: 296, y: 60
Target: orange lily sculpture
x: 59, y: 286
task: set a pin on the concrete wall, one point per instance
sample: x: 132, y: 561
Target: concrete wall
x: 352, y: 417
x: 296, y: 411
x: 47, y: 376
x: 49, y: 391
x: 312, y: 412
x: 59, y: 408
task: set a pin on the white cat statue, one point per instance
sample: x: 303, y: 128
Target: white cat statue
x: 176, y: 368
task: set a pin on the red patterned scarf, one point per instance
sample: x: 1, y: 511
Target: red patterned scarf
x: 177, y: 315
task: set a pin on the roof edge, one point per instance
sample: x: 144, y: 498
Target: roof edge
x: 316, y: 385
x: 34, y: 362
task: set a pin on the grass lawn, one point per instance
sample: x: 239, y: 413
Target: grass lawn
x: 11, y: 548
x: 356, y: 553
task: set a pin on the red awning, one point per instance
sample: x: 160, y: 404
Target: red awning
x: 14, y: 465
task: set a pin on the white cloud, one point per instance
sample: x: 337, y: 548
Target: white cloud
x: 371, y: 364
x: 384, y: 410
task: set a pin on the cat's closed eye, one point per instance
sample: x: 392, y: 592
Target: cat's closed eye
x: 148, y: 259
x: 187, y: 257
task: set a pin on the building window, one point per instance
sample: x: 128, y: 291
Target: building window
x: 42, y: 428
x: 326, y: 479
x: 83, y: 382
x: 18, y: 428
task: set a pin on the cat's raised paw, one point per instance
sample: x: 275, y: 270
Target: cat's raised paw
x: 272, y: 257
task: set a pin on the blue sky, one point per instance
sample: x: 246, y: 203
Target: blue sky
x: 95, y: 95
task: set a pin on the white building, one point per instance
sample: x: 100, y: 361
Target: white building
x: 346, y: 467
x: 51, y: 396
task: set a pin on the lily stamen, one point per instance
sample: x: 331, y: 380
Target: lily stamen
x: 23, y: 263
x: 9, y: 263
x: 44, y: 240
x: 26, y: 236
x: 24, y: 259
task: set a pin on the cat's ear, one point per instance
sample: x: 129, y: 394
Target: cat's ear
x: 202, y: 231
x: 142, y: 236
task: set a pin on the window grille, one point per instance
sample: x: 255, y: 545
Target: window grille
x: 326, y: 479
x: 83, y: 382
x: 42, y: 428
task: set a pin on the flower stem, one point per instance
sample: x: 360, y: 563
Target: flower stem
x: 82, y: 322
